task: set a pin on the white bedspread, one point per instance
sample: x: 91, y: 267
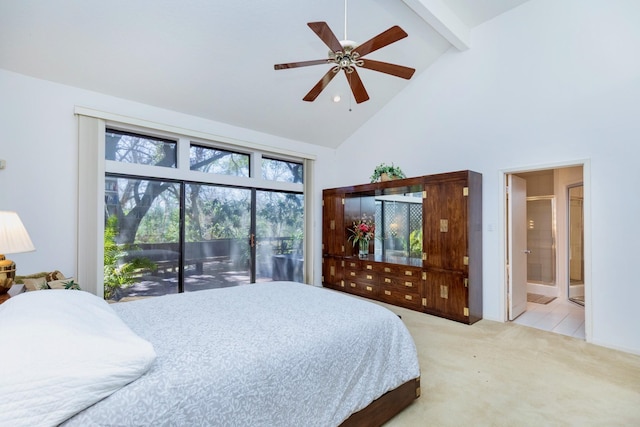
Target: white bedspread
x: 272, y: 354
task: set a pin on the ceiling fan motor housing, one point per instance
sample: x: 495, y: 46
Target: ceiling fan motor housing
x: 346, y: 59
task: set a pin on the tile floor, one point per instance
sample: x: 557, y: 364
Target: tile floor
x: 560, y: 316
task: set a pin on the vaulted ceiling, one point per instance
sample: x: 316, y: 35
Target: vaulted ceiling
x: 214, y: 59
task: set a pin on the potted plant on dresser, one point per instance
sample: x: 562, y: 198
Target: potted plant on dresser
x: 384, y: 172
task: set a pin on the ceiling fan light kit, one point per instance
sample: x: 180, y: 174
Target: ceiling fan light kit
x: 346, y: 56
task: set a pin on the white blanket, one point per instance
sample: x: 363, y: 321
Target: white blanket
x: 272, y: 354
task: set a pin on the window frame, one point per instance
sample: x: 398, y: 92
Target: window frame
x: 92, y: 167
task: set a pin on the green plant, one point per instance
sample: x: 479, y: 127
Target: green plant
x: 415, y: 243
x: 393, y: 172
x: 71, y: 284
x: 118, y: 274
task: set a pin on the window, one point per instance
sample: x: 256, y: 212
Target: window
x: 180, y: 235
x: 145, y: 150
x: 218, y: 161
x: 175, y: 229
x: 281, y: 170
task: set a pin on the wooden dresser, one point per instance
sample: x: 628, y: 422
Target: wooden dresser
x: 427, y: 255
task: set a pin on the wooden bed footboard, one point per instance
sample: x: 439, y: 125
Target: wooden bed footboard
x: 386, y: 406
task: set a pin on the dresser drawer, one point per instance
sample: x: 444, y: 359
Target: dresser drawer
x: 352, y: 263
x: 400, y: 282
x: 402, y: 297
x: 361, y: 276
x: 369, y: 290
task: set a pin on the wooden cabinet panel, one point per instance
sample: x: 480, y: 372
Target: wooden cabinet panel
x: 445, y: 225
x: 447, y: 295
x: 333, y: 233
x: 332, y: 271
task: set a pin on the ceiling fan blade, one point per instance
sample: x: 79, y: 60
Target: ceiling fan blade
x: 385, y: 67
x: 359, y: 92
x: 383, y: 39
x: 319, y: 87
x: 300, y: 64
x: 326, y: 35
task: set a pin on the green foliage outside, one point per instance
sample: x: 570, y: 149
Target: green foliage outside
x: 119, y: 274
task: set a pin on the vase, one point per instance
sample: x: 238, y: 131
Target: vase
x: 363, y: 246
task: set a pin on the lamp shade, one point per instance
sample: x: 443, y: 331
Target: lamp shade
x: 13, y: 236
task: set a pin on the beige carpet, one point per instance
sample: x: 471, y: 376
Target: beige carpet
x: 503, y: 374
x: 539, y: 299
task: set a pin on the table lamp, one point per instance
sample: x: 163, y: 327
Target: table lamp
x: 13, y: 239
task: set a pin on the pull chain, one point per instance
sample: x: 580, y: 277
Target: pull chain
x: 350, y: 94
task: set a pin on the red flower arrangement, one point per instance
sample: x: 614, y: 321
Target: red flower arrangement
x: 362, y: 230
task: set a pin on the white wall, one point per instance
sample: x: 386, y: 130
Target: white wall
x: 39, y: 141
x: 549, y: 82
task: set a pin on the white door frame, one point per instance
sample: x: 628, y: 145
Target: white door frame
x: 586, y: 174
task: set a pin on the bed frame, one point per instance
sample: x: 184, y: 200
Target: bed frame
x: 386, y: 406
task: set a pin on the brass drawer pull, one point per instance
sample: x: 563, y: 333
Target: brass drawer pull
x: 387, y: 270
x: 352, y: 273
x: 352, y: 264
x: 408, y: 297
x: 369, y: 277
x: 387, y: 280
x: 353, y: 285
x: 387, y: 292
x: 369, y: 267
x: 369, y: 288
x: 408, y: 273
x: 408, y: 284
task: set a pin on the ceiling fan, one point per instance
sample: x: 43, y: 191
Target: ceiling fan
x: 346, y: 55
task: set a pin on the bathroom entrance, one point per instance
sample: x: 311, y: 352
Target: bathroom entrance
x: 545, y: 248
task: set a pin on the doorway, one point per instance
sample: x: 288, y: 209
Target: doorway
x: 543, y: 261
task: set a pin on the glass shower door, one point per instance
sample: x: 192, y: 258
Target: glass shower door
x: 576, y: 244
x: 541, y: 230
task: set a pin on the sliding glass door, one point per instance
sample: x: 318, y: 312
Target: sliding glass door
x: 142, y: 237
x: 279, y: 236
x: 168, y: 237
x: 217, y: 229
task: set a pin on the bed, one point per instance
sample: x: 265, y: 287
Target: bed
x: 272, y: 354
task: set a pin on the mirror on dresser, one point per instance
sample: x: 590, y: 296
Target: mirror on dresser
x: 397, y: 216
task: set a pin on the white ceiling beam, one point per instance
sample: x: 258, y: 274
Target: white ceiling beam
x: 443, y: 20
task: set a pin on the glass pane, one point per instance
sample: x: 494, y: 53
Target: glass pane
x: 139, y: 149
x: 541, y: 266
x: 217, y: 228
x: 141, y: 237
x: 576, y: 244
x: 401, y: 232
x: 280, y: 170
x: 213, y: 160
x: 279, y: 232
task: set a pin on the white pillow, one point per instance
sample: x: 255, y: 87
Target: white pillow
x: 62, y: 351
